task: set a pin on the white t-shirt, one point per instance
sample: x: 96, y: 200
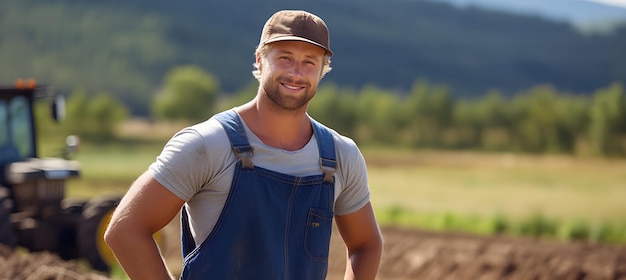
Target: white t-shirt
x: 197, y: 165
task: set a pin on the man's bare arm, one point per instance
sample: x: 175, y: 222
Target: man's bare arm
x: 146, y: 208
x: 364, y: 243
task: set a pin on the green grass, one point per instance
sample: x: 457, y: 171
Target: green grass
x: 111, y: 168
x: 558, y: 196
x: 535, y: 225
x: 118, y: 273
x: 553, y: 196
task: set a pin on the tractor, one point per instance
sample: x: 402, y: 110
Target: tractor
x: 35, y: 213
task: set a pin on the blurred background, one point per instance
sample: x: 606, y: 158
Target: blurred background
x: 479, y: 116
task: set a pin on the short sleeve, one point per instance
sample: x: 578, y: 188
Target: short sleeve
x: 183, y: 167
x: 355, y: 192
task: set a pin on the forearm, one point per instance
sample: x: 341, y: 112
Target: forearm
x: 138, y: 254
x: 364, y: 241
x: 362, y: 264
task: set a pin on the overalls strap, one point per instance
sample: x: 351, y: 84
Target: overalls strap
x: 326, y: 145
x: 237, y: 136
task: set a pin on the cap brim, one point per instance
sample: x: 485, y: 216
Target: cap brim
x: 296, y: 38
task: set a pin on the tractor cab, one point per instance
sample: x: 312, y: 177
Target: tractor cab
x: 31, y: 188
x: 18, y: 134
x: 35, y: 183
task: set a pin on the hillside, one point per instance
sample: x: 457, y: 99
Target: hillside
x: 125, y: 48
x: 579, y: 12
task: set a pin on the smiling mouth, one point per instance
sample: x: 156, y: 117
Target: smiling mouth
x: 292, y: 87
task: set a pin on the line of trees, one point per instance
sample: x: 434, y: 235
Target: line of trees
x: 538, y: 120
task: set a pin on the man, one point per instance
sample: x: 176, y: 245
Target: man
x: 259, y: 185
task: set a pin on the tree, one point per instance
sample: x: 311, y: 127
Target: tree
x: 537, y: 129
x: 94, y: 118
x: 494, y: 124
x: 242, y: 96
x: 379, y: 116
x: 188, y: 93
x: 104, y: 113
x: 573, y: 115
x: 467, y: 123
x: 608, y: 120
x: 430, y: 111
x: 336, y: 108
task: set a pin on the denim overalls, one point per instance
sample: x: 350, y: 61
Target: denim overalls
x: 273, y: 225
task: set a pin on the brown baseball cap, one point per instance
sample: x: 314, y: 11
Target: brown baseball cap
x: 290, y: 25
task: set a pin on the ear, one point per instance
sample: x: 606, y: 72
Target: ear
x: 258, y: 60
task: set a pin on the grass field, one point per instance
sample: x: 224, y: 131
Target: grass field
x: 110, y: 169
x: 552, y: 196
x: 416, y: 187
x: 486, y: 184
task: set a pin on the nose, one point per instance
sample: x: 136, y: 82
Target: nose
x: 296, y: 69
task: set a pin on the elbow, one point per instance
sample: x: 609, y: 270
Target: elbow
x: 109, y: 237
x: 378, y: 245
x: 376, y: 242
x: 112, y: 235
x: 373, y: 247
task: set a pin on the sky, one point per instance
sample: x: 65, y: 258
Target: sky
x: 620, y: 3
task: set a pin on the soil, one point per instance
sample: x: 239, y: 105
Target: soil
x: 409, y: 254
x: 16, y: 265
x: 417, y: 254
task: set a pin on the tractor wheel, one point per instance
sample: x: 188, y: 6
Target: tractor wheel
x: 72, y: 209
x: 94, y: 221
x: 7, y: 233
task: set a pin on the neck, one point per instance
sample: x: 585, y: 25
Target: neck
x: 288, y: 130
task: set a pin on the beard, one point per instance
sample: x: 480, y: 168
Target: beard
x: 286, y: 100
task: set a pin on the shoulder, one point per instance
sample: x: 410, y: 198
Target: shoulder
x: 192, y: 158
x: 199, y: 135
x: 344, y: 145
x: 348, y: 153
x: 193, y: 145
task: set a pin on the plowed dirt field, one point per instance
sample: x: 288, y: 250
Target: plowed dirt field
x: 415, y: 254
x: 410, y: 254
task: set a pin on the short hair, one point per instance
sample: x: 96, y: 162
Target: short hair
x: 264, y: 49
